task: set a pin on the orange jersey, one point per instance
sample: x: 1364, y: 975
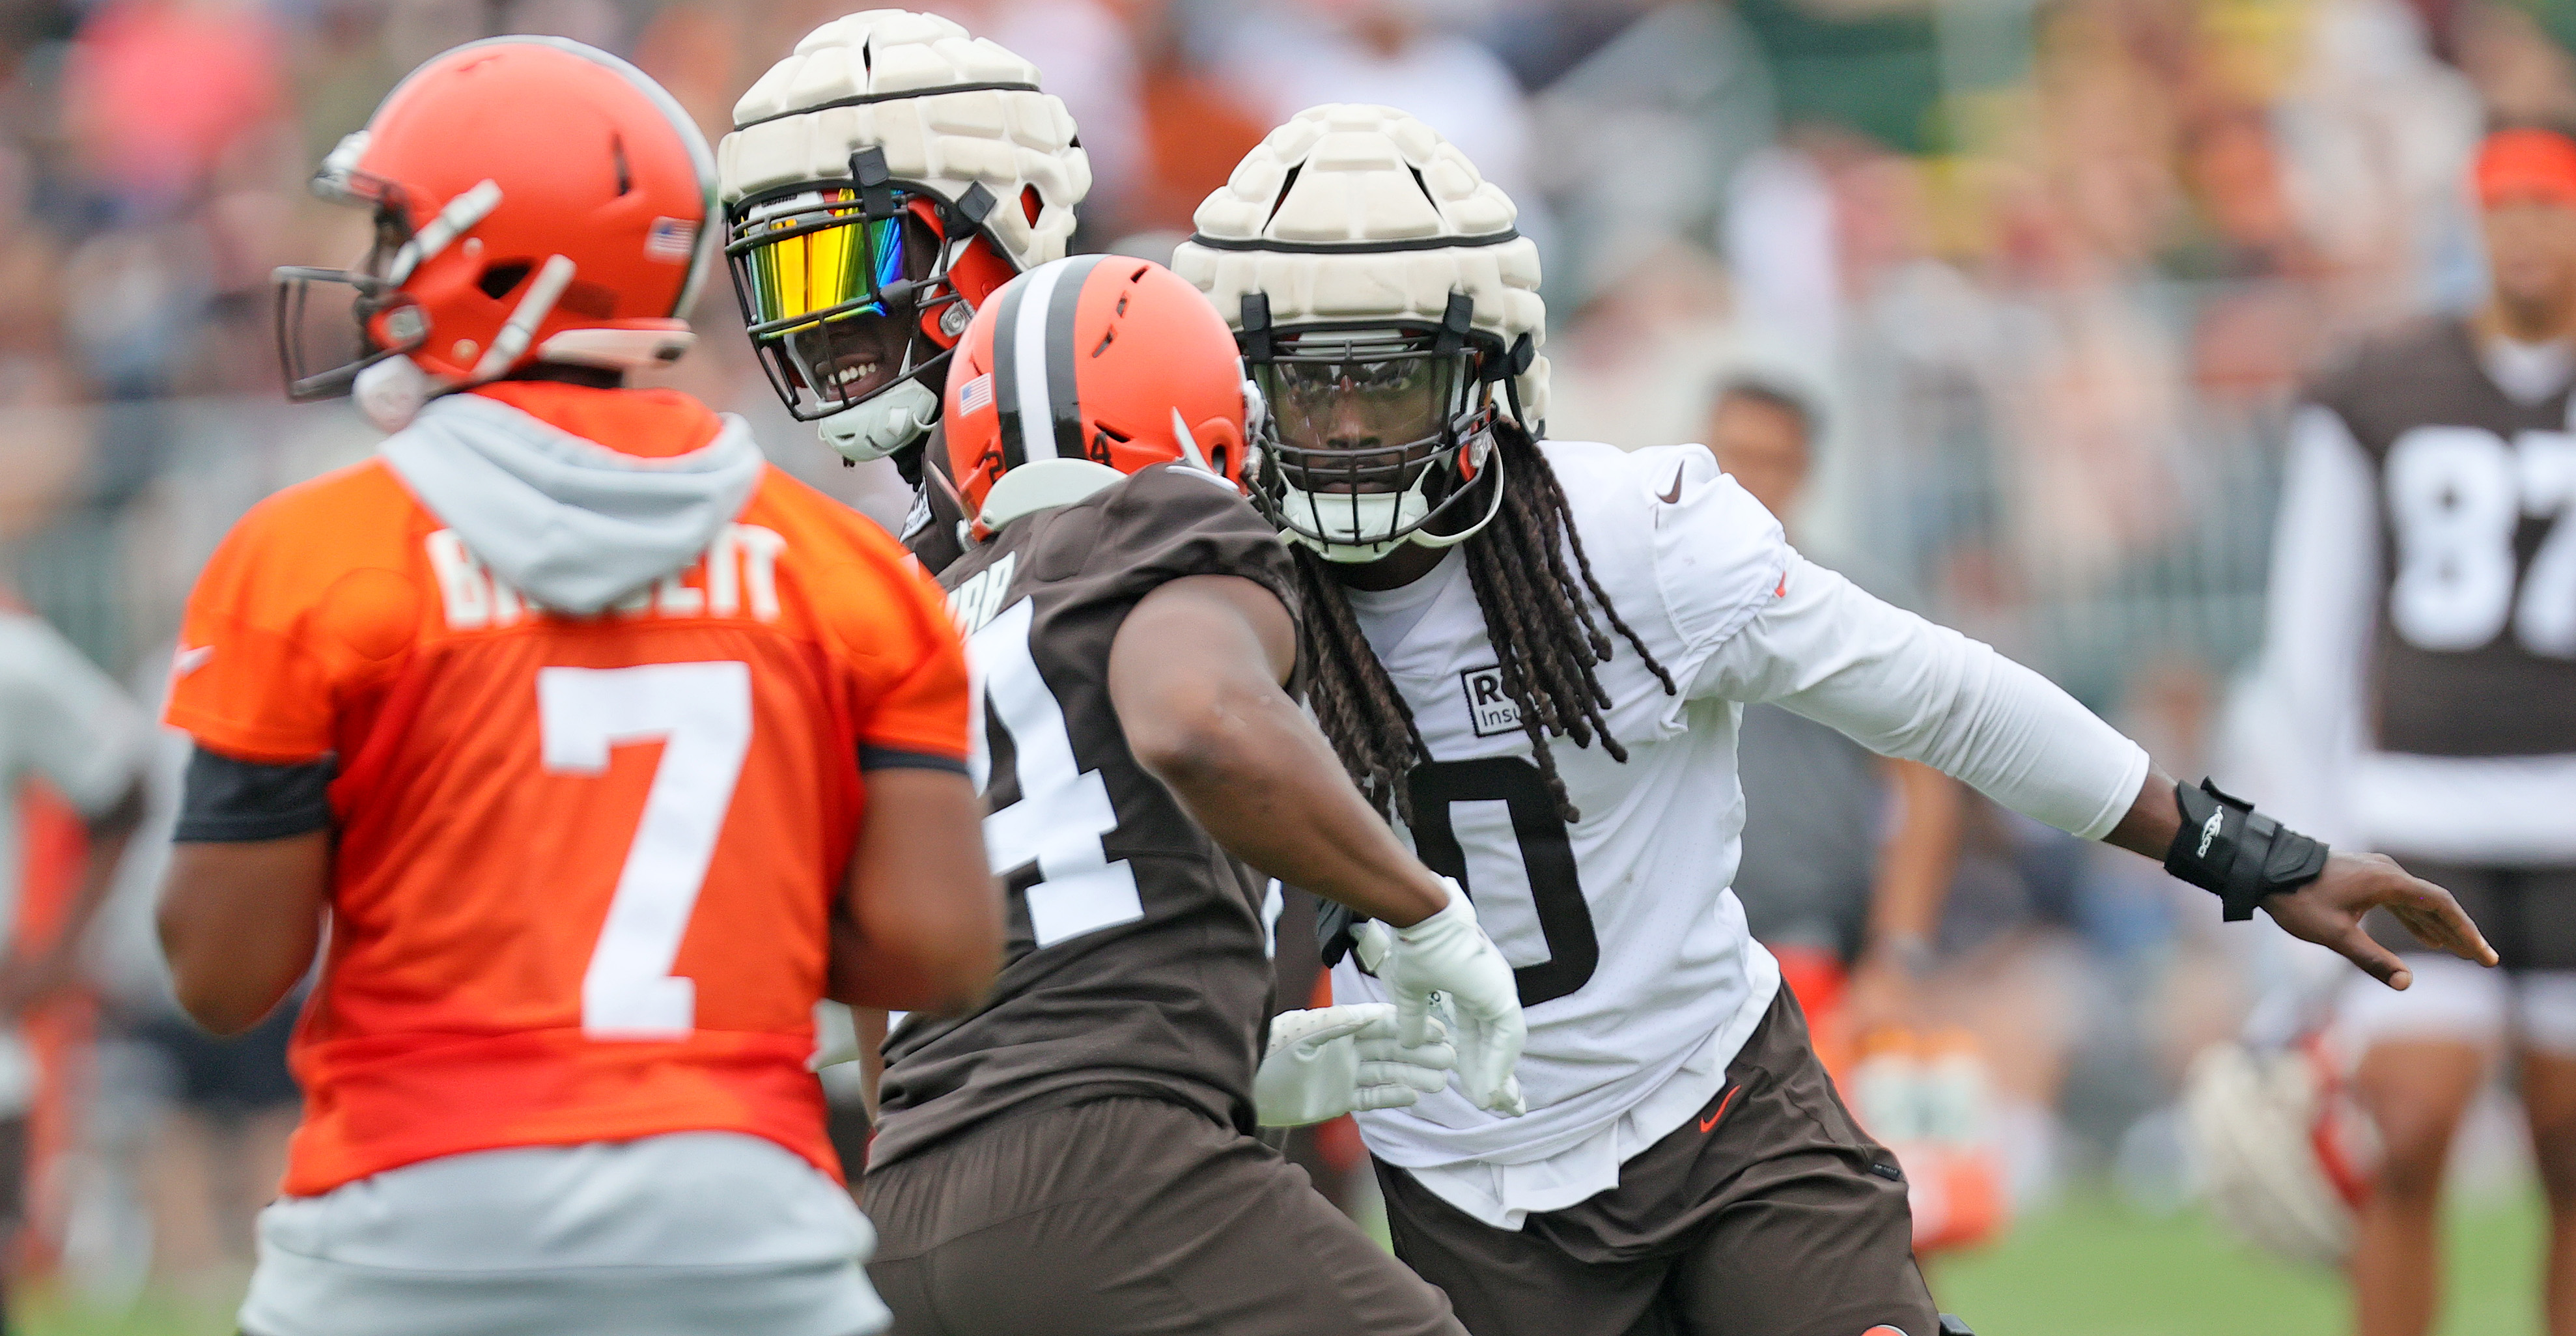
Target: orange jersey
x: 584, y: 865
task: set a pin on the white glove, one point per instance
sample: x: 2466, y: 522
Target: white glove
x: 1327, y: 1062
x: 1448, y: 956
x: 836, y: 1036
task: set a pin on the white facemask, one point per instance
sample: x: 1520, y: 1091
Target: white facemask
x: 1349, y: 531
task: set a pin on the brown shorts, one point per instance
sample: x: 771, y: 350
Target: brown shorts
x: 2528, y: 914
x: 1770, y: 1213
x: 1127, y: 1216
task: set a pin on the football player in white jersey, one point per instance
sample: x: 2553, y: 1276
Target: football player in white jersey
x: 1477, y: 600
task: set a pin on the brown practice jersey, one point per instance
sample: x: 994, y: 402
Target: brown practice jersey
x: 1136, y: 963
x: 2472, y: 650
x: 930, y: 527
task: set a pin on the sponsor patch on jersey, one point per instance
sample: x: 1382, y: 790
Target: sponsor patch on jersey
x: 1489, y: 710
x: 671, y: 240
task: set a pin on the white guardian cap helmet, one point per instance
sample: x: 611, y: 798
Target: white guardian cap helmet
x: 879, y: 183
x: 1389, y: 312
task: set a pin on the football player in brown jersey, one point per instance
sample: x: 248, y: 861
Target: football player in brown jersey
x: 2422, y: 650
x: 1076, y: 1156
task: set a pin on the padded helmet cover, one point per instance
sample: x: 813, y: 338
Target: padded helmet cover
x: 1350, y: 212
x: 949, y: 110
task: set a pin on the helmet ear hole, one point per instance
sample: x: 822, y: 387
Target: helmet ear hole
x: 501, y: 278
x: 1030, y: 205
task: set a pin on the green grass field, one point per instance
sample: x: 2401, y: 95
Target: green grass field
x: 2094, y: 1268
x: 2091, y: 1267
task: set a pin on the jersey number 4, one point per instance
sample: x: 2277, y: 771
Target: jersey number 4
x: 1063, y: 811
x: 701, y: 713
x: 1547, y: 856
x: 2457, y: 496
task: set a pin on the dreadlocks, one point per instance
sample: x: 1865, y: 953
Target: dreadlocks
x: 1542, y: 624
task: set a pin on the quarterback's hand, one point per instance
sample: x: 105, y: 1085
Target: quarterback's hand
x: 2328, y: 911
x: 1448, y: 956
x: 836, y: 1036
x: 1332, y: 1060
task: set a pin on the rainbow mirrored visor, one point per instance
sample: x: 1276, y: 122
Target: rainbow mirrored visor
x: 812, y: 256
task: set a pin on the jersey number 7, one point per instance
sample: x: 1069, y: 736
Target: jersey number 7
x: 702, y: 714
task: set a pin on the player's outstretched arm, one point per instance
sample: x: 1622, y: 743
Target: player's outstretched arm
x: 2329, y: 909
x: 1195, y: 673
x: 921, y: 927
x: 1906, y: 687
x: 240, y: 921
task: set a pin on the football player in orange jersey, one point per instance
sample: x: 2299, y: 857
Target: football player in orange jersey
x: 1076, y: 1156
x: 604, y: 750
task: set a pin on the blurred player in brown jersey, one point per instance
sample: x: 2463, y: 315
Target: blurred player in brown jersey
x: 1077, y: 1155
x: 2423, y: 642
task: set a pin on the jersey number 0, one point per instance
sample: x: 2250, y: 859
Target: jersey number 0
x: 1547, y: 854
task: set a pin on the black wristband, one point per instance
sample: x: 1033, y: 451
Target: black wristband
x: 2240, y: 855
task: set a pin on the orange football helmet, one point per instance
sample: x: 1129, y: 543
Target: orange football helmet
x: 1086, y: 369
x: 535, y: 200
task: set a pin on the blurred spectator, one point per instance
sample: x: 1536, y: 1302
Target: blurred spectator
x: 159, y: 90
x: 1848, y: 856
x: 1196, y: 127
x: 1388, y: 52
x: 63, y: 722
x: 1633, y: 364
x: 1681, y: 97
x: 1086, y: 55
x: 204, y: 1120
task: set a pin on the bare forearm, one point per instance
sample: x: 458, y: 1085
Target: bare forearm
x: 1195, y: 675
x: 872, y: 1026
x: 1918, y: 861
x: 2152, y: 819
x: 1266, y: 785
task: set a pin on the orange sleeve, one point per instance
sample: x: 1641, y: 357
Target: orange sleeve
x: 244, y: 683
x: 301, y: 602
x: 915, y: 688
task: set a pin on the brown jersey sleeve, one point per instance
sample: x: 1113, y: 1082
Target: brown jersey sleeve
x: 1172, y: 521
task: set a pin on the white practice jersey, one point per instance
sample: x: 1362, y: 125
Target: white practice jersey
x: 1636, y: 973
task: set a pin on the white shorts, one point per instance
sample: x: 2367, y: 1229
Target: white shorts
x: 681, y: 1235
x: 2455, y: 1000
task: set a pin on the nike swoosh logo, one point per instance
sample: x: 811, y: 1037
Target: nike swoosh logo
x: 1674, y: 497
x: 188, y: 660
x: 1710, y: 1122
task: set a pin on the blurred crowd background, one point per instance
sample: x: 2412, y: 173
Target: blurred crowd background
x: 2049, y: 273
